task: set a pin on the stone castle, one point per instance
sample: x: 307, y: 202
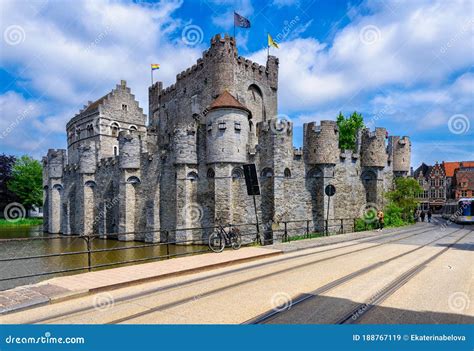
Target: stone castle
x: 182, y: 169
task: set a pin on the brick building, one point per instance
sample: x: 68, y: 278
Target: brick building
x: 433, y: 181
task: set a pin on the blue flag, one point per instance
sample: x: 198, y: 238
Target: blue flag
x: 241, y: 21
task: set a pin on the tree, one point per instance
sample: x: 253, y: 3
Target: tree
x: 26, y: 181
x: 6, y: 165
x: 348, y: 128
x: 404, y: 196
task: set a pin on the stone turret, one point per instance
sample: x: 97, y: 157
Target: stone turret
x: 54, y: 163
x: 400, y: 153
x: 321, y: 143
x: 227, y: 130
x: 129, y: 150
x: 373, y: 149
x: 221, y: 57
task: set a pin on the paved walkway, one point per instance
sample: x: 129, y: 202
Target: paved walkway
x: 61, y: 288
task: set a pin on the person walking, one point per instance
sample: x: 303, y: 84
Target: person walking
x: 429, y: 216
x: 380, y: 216
x: 422, y: 216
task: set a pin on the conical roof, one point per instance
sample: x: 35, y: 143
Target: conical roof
x: 226, y: 100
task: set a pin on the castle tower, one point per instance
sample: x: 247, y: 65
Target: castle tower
x: 373, y: 160
x: 399, y: 149
x: 321, y: 152
x: 53, y: 165
x: 275, y: 151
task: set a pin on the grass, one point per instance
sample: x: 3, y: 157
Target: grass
x: 21, y: 222
x: 304, y: 236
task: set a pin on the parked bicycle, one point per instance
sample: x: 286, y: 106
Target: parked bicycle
x: 223, y: 237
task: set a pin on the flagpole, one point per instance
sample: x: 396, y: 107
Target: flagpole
x: 234, y: 29
x: 151, y: 76
x: 268, y: 47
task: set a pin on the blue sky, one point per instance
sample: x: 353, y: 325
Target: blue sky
x: 405, y: 65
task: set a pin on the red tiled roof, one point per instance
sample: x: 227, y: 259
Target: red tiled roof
x: 227, y: 100
x: 450, y: 167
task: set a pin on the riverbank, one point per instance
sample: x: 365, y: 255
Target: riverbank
x: 21, y: 222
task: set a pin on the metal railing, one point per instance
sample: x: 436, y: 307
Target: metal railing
x: 250, y: 233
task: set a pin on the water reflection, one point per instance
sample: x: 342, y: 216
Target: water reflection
x: 67, y: 244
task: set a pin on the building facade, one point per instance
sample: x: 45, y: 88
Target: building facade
x: 183, y: 170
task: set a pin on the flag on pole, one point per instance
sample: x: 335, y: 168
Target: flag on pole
x: 241, y: 21
x: 271, y: 42
x: 155, y: 66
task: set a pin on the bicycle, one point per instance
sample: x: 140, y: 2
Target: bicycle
x: 222, y: 238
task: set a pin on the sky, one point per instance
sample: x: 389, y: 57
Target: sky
x: 405, y: 65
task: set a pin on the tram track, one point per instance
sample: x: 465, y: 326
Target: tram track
x: 131, y: 298
x: 378, y: 297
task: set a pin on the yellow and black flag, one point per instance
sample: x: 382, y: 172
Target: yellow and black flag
x: 271, y: 42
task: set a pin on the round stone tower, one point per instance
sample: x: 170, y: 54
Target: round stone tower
x: 400, y: 152
x: 373, y: 149
x: 87, y: 158
x: 227, y: 130
x: 221, y: 57
x: 321, y: 143
x: 129, y: 150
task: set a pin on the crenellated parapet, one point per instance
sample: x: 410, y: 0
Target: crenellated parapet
x: 373, y: 148
x: 53, y: 164
x: 321, y: 142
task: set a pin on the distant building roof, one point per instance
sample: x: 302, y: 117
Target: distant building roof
x: 424, y: 169
x: 450, y: 167
x: 226, y: 100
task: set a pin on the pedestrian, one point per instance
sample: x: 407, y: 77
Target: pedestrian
x: 429, y: 216
x: 380, y: 216
x: 422, y: 216
x: 415, y: 215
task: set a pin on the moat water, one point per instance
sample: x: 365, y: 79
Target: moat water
x: 66, y: 244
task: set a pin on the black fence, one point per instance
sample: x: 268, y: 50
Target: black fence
x: 251, y: 234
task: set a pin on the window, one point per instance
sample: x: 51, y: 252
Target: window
x: 124, y: 107
x: 133, y: 129
x: 115, y: 129
x: 237, y: 173
x: 464, y: 193
x: 115, y: 150
x: 441, y: 182
x: 433, y: 193
x: 267, y: 173
x: 425, y: 194
x: 192, y: 176
x: 237, y: 126
x: 222, y: 125
x: 432, y: 182
x: 287, y: 173
x: 209, y: 127
x: 211, y: 173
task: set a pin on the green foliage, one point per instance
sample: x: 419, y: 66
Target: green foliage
x: 21, y: 222
x: 26, y: 181
x: 404, y: 196
x: 348, y: 128
x: 393, y: 216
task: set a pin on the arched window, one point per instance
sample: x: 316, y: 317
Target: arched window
x: 211, y: 173
x: 237, y: 173
x: 192, y: 176
x: 90, y: 183
x: 115, y: 150
x: 115, y: 128
x: 133, y: 129
x: 287, y: 173
x: 58, y: 187
x: 267, y: 172
x: 133, y: 180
